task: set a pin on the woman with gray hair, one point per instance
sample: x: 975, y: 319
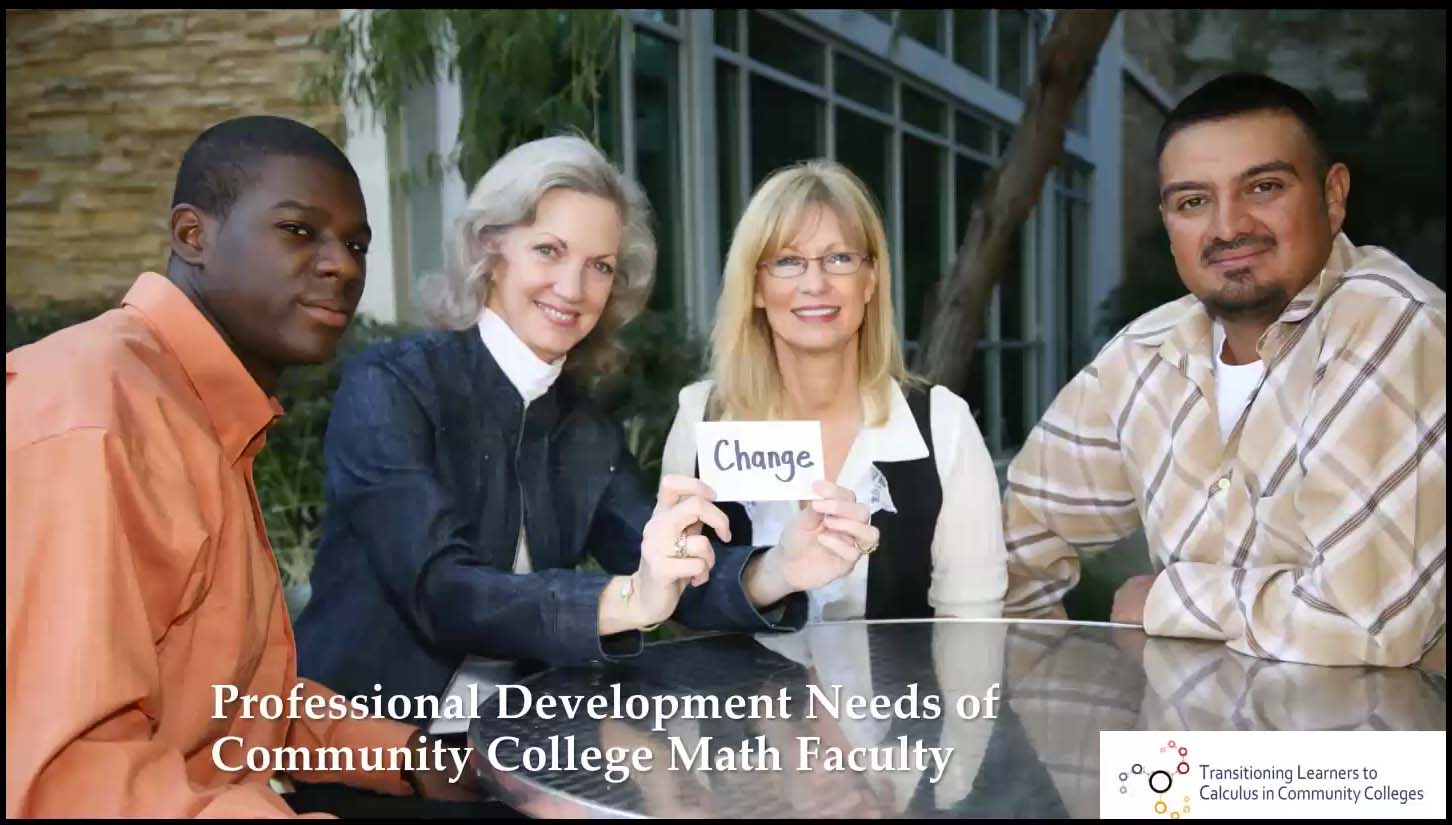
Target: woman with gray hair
x: 468, y: 472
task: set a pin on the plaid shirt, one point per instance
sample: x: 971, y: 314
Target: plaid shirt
x: 1316, y: 531
x: 1067, y: 683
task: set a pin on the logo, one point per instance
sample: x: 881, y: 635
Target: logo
x: 1158, y: 778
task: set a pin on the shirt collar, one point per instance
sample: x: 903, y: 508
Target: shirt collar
x: 896, y: 439
x: 1187, y: 331
x: 239, y: 410
x: 530, y: 376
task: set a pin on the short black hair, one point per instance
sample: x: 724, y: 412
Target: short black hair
x: 1238, y: 93
x: 224, y: 159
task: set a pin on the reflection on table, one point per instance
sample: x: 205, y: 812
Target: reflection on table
x: 1059, y: 685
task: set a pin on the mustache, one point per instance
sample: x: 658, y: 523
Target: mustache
x: 1218, y: 247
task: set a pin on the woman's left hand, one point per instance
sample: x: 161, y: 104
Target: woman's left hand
x: 673, y: 553
x: 822, y: 544
x: 826, y: 539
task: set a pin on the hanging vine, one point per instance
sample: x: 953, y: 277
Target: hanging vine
x: 523, y: 73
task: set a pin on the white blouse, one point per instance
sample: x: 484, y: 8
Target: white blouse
x: 969, y: 562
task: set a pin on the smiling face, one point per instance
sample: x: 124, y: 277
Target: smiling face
x: 1249, y: 215
x: 816, y: 311
x: 282, y: 271
x: 552, y: 278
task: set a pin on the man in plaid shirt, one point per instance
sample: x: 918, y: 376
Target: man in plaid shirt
x: 1280, y: 434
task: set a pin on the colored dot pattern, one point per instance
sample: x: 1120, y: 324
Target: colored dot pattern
x: 1161, y: 781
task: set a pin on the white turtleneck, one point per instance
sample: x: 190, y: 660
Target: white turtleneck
x: 530, y: 376
x: 477, y: 676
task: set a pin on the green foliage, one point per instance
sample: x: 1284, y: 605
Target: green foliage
x: 523, y: 73
x: 1150, y: 279
x: 289, y: 472
x: 662, y: 357
x: 1394, y: 139
x: 25, y: 326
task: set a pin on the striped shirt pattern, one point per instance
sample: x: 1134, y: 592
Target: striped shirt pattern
x: 1316, y: 531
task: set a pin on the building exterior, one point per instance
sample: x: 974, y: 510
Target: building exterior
x: 99, y: 106
x: 706, y: 103
x: 701, y: 105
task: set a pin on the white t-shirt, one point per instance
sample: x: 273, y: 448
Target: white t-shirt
x: 969, y: 563
x: 1234, y: 385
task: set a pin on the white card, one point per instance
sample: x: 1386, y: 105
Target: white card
x: 760, y: 460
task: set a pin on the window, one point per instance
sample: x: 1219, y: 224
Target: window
x: 1013, y: 40
x: 785, y: 92
x: 784, y: 48
x: 864, y: 85
x: 974, y: 133
x: 1079, y: 118
x: 970, y: 40
x: 727, y: 23
x: 657, y: 158
x: 922, y: 238
x: 1071, y: 199
x: 786, y: 126
x: 922, y: 111
x: 864, y: 145
x: 729, y: 201
x: 924, y: 26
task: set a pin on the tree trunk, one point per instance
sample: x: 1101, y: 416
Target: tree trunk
x: 957, y: 306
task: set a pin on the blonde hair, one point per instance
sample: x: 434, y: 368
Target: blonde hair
x: 507, y: 196
x: 743, y: 357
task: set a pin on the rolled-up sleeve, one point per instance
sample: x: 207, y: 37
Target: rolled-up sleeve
x: 1068, y: 490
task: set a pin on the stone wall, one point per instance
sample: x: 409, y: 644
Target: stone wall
x: 100, y: 106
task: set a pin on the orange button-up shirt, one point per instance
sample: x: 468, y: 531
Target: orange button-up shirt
x: 138, y: 575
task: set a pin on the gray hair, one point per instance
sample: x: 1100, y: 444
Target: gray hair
x: 507, y: 196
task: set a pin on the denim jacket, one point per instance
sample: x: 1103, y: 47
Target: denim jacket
x: 432, y: 459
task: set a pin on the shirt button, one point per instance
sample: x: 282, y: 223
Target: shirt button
x: 1222, y: 485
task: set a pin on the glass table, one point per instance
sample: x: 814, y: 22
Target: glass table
x: 1035, y: 695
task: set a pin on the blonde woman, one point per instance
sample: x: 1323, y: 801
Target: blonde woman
x: 469, y: 472
x: 805, y: 331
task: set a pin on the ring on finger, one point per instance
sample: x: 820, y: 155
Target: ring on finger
x: 681, y: 552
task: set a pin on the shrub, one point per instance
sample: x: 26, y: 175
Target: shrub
x: 289, y: 472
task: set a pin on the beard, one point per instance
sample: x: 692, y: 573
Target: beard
x: 1240, y: 298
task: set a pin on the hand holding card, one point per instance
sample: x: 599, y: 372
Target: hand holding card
x: 760, y: 460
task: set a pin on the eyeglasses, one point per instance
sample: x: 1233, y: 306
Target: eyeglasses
x: 833, y: 263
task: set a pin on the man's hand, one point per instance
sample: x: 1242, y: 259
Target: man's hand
x: 1129, y: 600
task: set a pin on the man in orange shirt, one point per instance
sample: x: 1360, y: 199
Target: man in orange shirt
x: 140, y: 586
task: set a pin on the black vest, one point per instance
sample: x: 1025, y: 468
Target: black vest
x: 900, y: 570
